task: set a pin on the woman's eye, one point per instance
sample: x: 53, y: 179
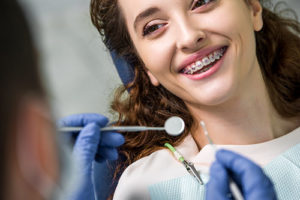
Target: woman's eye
x: 150, y: 29
x: 199, y: 3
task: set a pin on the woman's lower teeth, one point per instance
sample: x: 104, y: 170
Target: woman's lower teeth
x: 204, y: 69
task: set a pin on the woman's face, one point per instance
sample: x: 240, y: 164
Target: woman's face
x: 203, y: 51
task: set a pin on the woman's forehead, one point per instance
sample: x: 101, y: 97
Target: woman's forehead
x: 131, y: 9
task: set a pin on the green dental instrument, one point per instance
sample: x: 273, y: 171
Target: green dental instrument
x: 188, y: 165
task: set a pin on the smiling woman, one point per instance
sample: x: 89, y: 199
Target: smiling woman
x: 232, y: 64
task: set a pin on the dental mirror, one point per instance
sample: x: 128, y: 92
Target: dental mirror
x: 174, y: 126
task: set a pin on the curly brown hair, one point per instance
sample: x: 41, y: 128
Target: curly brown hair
x: 278, y: 52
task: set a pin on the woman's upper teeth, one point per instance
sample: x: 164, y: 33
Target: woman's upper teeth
x: 198, y: 65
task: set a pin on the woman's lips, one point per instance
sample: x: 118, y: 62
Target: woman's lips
x: 198, y: 56
x: 202, y: 64
x: 207, y: 72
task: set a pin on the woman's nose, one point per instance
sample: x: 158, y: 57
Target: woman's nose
x: 189, y: 36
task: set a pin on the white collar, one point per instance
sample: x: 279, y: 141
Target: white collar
x: 261, y: 153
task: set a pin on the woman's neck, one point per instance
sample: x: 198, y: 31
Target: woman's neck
x: 247, y: 118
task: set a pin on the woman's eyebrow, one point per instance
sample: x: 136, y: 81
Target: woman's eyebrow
x: 146, y: 13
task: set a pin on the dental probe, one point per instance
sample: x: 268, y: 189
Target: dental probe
x: 174, y: 126
x: 236, y: 193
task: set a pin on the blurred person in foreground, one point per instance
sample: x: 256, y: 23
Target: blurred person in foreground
x: 35, y: 163
x: 29, y: 151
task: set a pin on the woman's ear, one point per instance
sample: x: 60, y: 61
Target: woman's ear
x: 153, y: 79
x: 37, y: 154
x: 256, y: 11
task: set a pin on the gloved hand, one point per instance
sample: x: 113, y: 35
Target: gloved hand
x: 250, y: 178
x: 91, y: 145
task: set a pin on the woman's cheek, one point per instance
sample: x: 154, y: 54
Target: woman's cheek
x: 230, y: 23
x: 157, y: 56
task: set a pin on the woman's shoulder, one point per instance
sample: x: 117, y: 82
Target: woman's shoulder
x: 137, y: 177
x: 151, y: 162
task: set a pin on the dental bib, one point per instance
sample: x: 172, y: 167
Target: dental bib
x: 284, y: 171
x: 161, y: 176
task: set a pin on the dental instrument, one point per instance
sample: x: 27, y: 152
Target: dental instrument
x: 174, y: 126
x: 188, y: 165
x: 236, y: 193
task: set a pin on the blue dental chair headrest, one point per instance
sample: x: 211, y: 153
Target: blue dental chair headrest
x: 103, y: 172
x: 125, y: 70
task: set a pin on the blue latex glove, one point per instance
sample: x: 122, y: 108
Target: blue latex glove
x: 90, y: 145
x: 250, y: 178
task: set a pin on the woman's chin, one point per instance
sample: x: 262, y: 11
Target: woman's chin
x: 216, y: 98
